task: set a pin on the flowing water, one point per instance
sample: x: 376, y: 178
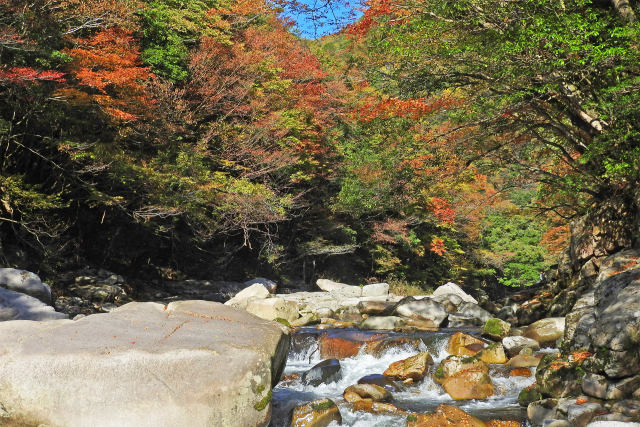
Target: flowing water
x: 422, y: 397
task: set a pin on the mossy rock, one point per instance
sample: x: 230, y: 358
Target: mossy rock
x: 496, y: 329
x: 529, y: 394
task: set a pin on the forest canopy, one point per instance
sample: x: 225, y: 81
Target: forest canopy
x: 427, y: 141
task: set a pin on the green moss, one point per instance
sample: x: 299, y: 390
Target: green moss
x: 285, y: 322
x: 260, y: 389
x: 323, y: 405
x: 493, y: 327
x: 439, y: 372
x: 412, y: 418
x: 264, y: 402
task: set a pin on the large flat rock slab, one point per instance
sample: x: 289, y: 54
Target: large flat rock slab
x: 189, y: 363
x: 19, y: 306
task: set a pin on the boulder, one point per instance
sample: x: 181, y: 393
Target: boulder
x: 273, y: 308
x: 496, y: 329
x: 450, y: 302
x: 541, y: 410
x: 367, y: 405
x: 372, y: 392
x: 325, y: 372
x: 305, y: 319
x: 339, y: 346
x: 520, y: 372
x: 474, y: 310
x: 340, y: 289
x: 523, y: 361
x: 319, y: 413
x: 559, y: 376
x: 493, y: 354
x: 375, y: 308
x: 513, y: 345
x: 460, y: 321
x: 452, y: 288
x: 599, y: 386
x: 25, y: 282
x: 461, y: 344
x: 414, y: 367
x: 270, y: 285
x: 546, y: 331
x: 445, y: 416
x: 19, y: 306
x: 382, y: 323
x: 254, y: 291
x: 185, y: 363
x: 413, y: 325
x: 424, y: 309
x: 381, y: 381
x: 375, y: 290
x: 469, y: 384
x: 453, y: 365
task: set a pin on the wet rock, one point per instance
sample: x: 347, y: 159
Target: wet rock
x: 338, y: 347
x: 319, y: 413
x: 325, y: 372
x: 19, y: 306
x: 143, y: 364
x: 25, y: 282
x: 496, y: 329
x: 273, y: 308
x: 444, y: 416
x: 541, y: 410
x: 371, y: 392
x: 493, y: 354
x: 461, y: 344
x: 306, y: 319
x: 424, y: 309
x: 452, y: 288
x: 529, y: 394
x: 523, y: 361
x: 558, y: 376
x: 339, y: 289
x: 413, y: 325
x: 469, y: 384
x: 414, y: 367
x: 380, y: 346
x: 513, y: 345
x: 375, y: 308
x: 455, y: 364
x: 254, y: 291
x: 546, y: 331
x: 520, y: 372
x: 382, y: 381
x: 474, y: 310
x: 382, y: 323
x: 372, y: 407
x: 375, y: 290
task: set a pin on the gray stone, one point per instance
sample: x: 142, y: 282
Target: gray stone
x: 424, y: 309
x: 513, y: 345
x: 241, y: 299
x: 305, y: 319
x: 270, y: 285
x: 189, y: 363
x: 19, y: 306
x: 382, y: 323
x: 375, y: 290
x: 325, y: 372
x: 474, y: 310
x: 375, y: 308
x: 546, y: 331
x: 580, y: 415
x: 339, y: 288
x: 459, y: 321
x: 542, y: 410
x: 599, y: 386
x: 556, y: 423
x: 273, y: 308
x: 452, y: 288
x: 25, y: 282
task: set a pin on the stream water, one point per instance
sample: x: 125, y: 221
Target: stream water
x: 422, y: 397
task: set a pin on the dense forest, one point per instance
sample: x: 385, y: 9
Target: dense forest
x: 427, y: 141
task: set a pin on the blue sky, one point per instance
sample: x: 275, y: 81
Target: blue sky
x: 324, y: 16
